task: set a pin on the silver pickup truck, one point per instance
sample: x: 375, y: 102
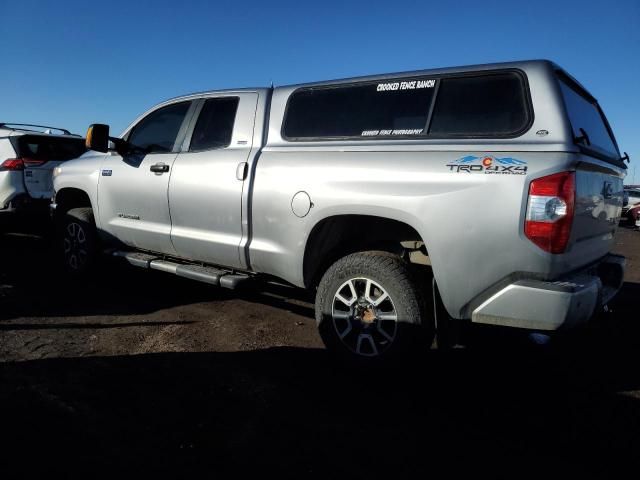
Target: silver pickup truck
x: 406, y: 201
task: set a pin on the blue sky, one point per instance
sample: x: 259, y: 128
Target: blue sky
x: 69, y: 63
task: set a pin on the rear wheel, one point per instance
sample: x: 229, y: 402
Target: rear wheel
x: 78, y: 241
x: 369, y: 308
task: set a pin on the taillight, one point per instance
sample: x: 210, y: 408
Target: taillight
x: 550, y: 211
x: 12, y: 164
x: 20, y: 163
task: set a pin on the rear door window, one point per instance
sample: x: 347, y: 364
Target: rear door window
x: 214, y: 127
x: 584, y: 113
x: 385, y: 108
x: 484, y: 105
x: 158, y: 131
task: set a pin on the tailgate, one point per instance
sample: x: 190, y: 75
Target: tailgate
x: 598, y: 206
x: 38, y: 180
x: 41, y: 154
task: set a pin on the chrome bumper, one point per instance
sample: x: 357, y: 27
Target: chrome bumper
x: 540, y: 305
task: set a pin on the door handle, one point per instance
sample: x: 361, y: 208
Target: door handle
x: 159, y: 168
x: 241, y: 170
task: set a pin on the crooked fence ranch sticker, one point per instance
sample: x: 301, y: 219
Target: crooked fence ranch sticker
x: 405, y: 85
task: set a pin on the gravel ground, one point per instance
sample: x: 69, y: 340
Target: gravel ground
x: 138, y: 372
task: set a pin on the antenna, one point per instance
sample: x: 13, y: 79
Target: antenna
x: 271, y: 84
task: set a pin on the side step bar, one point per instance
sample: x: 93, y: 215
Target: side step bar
x: 210, y: 275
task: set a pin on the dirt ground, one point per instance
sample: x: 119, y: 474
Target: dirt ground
x: 138, y: 372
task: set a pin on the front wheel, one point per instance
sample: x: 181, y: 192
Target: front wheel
x: 369, y: 307
x: 78, y: 241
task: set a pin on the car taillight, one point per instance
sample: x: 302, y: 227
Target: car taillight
x: 20, y: 163
x: 12, y: 164
x: 550, y: 211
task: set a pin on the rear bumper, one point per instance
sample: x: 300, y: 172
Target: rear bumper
x: 540, y: 305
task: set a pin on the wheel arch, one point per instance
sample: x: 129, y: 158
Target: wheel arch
x: 336, y: 236
x: 71, y: 197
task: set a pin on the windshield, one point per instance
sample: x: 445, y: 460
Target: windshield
x: 584, y: 113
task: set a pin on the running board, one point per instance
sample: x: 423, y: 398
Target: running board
x: 201, y: 273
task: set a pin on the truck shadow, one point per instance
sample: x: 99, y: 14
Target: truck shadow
x: 294, y: 411
x: 32, y: 285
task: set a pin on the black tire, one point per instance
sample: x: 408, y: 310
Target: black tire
x: 78, y: 241
x: 368, y: 334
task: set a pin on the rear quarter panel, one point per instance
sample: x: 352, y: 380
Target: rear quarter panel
x: 11, y: 183
x: 471, y: 223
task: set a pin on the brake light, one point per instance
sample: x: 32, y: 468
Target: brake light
x: 12, y: 164
x: 32, y: 162
x: 550, y: 211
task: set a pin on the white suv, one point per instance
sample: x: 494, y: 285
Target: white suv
x: 28, y: 155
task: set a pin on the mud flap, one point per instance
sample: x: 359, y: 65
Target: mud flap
x: 448, y: 329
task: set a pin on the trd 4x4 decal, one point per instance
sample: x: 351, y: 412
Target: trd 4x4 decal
x: 488, y: 164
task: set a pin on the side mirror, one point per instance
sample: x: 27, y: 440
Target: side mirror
x: 98, y: 137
